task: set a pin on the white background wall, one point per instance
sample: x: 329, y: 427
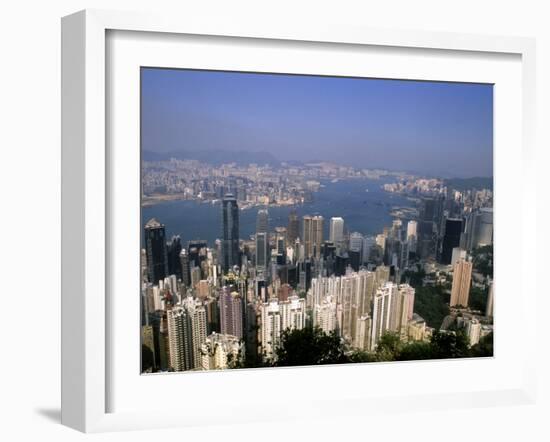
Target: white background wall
x: 30, y: 213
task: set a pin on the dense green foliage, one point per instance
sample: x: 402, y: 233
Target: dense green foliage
x: 314, y: 347
x: 432, y: 304
x: 414, y: 278
x: 483, y: 260
x: 478, y: 298
x: 310, y: 346
x: 147, y: 358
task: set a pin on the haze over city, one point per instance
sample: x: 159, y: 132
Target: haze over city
x: 433, y: 128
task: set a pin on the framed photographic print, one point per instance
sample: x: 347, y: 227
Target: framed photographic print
x: 317, y: 216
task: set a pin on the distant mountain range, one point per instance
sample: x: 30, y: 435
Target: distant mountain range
x: 214, y: 157
x: 461, y: 184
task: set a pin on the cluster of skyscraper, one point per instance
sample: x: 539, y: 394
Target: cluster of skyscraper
x: 227, y: 304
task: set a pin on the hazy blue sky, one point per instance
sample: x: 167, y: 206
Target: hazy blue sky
x: 428, y: 127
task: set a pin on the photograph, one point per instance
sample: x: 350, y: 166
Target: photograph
x: 305, y: 220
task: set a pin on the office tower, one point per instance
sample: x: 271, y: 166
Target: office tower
x: 411, y: 229
x: 276, y: 317
x: 336, y: 235
x: 196, y: 276
x: 396, y: 229
x: 262, y: 243
x: 304, y: 275
x: 173, y: 251
x: 155, y: 249
x: 479, y: 228
x: 312, y: 235
x: 412, y: 236
x: 262, y: 221
x: 457, y: 255
x: 490, y: 300
x: 231, y: 313
x: 220, y: 351
x: 462, y: 278
x: 356, y: 242
x: 341, y: 264
x: 230, y: 222
x: 180, y: 339
x: 317, y: 238
x: 212, y: 315
x: 185, y: 269
x: 355, y: 251
x: 381, y: 241
x: 143, y: 266
x: 197, y: 250
x: 427, y: 228
x: 368, y: 243
x: 451, y: 239
x: 293, y: 227
x: 307, y: 236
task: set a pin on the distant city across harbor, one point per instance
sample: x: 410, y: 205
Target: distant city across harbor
x: 364, y: 212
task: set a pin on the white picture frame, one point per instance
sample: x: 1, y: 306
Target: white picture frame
x: 86, y: 316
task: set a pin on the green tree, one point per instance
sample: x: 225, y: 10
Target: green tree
x: 431, y: 302
x: 389, y: 347
x: 147, y: 358
x: 310, y: 346
x: 482, y: 258
x: 484, y: 347
x: 450, y: 345
x: 415, y: 351
x: 478, y: 298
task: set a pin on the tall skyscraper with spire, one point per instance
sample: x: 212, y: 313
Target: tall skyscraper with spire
x: 155, y: 250
x: 230, y: 234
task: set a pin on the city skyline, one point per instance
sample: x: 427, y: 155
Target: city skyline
x: 372, y: 123
x: 248, y: 264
